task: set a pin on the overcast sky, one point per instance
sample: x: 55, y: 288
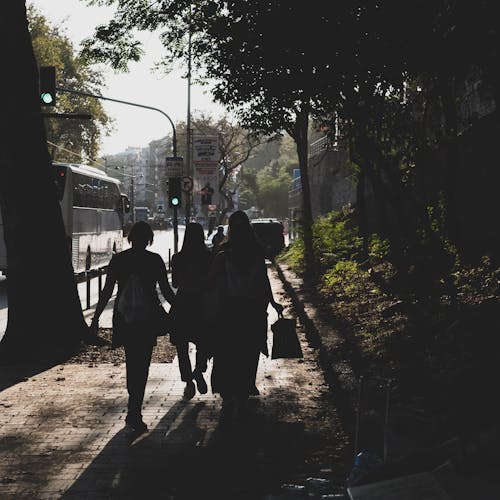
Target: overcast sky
x: 133, y: 126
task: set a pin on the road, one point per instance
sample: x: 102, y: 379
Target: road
x: 162, y: 243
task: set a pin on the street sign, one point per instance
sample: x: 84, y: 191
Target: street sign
x: 187, y: 184
x: 206, y: 148
x: 174, y: 166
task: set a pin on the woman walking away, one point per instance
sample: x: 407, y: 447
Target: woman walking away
x: 189, y: 275
x: 135, y: 323
x: 239, y: 272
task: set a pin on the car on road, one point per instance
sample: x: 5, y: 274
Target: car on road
x: 271, y: 234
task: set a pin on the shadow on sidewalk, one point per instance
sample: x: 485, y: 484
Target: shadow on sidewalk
x: 189, y: 455
x: 14, y: 374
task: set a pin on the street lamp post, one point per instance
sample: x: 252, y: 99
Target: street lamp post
x: 96, y: 96
x: 174, y: 135
x: 188, y: 129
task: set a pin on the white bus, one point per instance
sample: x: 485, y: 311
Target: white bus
x: 93, y: 213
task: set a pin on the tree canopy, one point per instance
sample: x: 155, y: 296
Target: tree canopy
x: 53, y: 48
x: 385, y: 73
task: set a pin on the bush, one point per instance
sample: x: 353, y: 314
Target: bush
x: 344, y: 274
x: 378, y: 248
x: 335, y: 239
x: 294, y: 256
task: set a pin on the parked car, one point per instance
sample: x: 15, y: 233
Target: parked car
x: 270, y: 233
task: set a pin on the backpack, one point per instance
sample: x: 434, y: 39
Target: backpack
x: 133, y: 304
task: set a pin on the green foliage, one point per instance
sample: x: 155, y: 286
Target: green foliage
x: 82, y: 137
x: 392, y: 103
x: 335, y: 238
x: 437, y: 217
x: 378, y: 248
x: 343, y: 274
x: 273, y: 182
x: 294, y: 256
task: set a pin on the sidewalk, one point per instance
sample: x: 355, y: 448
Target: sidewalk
x: 62, y: 435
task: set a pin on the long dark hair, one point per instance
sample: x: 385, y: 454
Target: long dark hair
x: 241, y: 241
x: 194, y: 239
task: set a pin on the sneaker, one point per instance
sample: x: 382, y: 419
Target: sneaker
x: 136, y: 423
x: 200, y: 383
x: 189, y: 390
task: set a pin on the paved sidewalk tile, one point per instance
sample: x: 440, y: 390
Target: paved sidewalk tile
x: 62, y: 435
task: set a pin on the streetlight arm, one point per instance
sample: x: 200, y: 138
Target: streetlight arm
x: 87, y: 94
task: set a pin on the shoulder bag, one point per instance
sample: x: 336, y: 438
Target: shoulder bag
x: 286, y: 343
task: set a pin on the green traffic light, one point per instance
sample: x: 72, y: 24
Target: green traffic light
x: 174, y: 201
x: 47, y: 97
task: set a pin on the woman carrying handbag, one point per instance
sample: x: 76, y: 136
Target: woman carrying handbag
x: 239, y: 274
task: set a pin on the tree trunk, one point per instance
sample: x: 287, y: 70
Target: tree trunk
x: 452, y: 159
x: 299, y: 135
x: 361, y: 212
x: 45, y: 319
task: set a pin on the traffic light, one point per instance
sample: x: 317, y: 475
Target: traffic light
x: 174, y: 192
x: 47, y: 84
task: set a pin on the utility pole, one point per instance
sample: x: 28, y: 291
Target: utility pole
x: 189, y: 195
x: 132, y: 198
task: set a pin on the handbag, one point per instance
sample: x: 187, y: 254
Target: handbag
x: 286, y: 343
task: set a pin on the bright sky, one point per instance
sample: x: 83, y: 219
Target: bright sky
x: 133, y: 126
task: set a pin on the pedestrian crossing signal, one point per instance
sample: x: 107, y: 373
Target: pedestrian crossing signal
x: 174, y: 192
x: 47, y: 85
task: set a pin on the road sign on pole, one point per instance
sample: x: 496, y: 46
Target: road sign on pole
x: 174, y: 166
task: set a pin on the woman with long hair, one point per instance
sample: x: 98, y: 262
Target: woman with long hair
x: 239, y: 273
x: 189, y: 275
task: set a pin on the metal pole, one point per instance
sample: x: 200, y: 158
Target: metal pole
x: 188, y: 130
x: 87, y: 276
x: 176, y: 234
x: 87, y: 94
x: 99, y: 281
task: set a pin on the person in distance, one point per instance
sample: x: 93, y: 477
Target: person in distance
x: 217, y: 239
